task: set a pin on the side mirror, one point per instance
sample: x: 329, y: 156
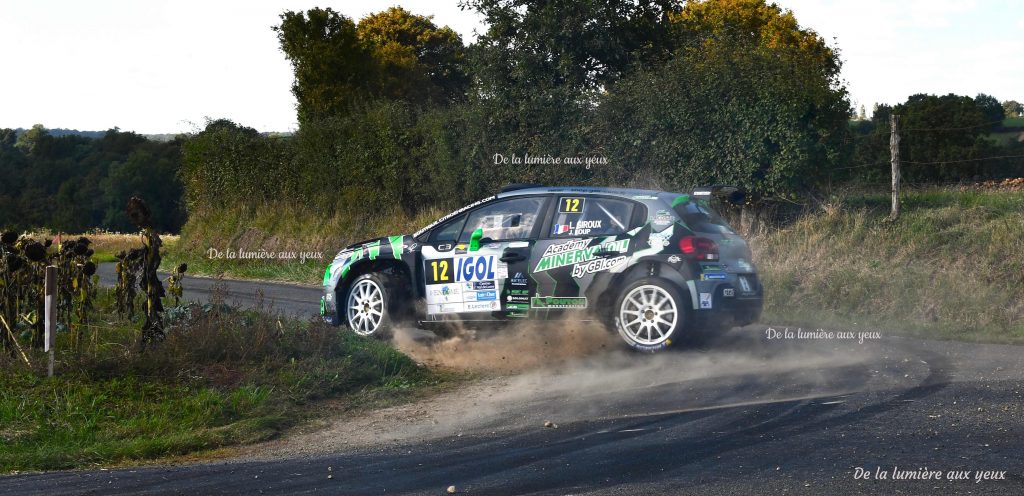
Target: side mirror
x: 475, y: 238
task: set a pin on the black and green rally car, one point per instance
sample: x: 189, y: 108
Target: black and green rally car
x: 657, y: 267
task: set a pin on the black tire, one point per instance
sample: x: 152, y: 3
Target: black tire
x: 365, y: 321
x: 656, y: 325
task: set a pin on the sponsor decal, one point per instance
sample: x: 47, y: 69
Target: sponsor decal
x: 580, y: 228
x: 660, y: 240
x: 444, y: 293
x: 558, y: 302
x: 745, y: 285
x: 486, y: 295
x: 712, y: 276
x: 705, y: 300
x: 674, y: 259
x: 644, y: 197
x: 662, y: 217
x: 728, y: 292
x: 463, y: 269
x: 480, y: 285
x: 482, y: 306
x: 575, y: 252
x: 598, y: 265
x: 451, y: 215
x: 517, y: 306
x: 744, y: 265
x: 518, y: 280
x: 445, y: 308
x: 519, y: 244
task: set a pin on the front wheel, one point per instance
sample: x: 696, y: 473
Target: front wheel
x: 649, y: 314
x: 367, y: 307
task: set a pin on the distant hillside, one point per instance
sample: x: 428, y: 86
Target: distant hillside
x: 58, y: 132
x: 161, y: 137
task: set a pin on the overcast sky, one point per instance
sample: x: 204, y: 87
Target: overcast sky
x: 165, y: 66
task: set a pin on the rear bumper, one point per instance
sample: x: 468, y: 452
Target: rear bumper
x: 723, y: 303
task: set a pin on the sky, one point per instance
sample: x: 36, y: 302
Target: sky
x: 163, y: 66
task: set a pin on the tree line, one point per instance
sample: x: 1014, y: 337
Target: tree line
x: 73, y: 183
x: 395, y: 111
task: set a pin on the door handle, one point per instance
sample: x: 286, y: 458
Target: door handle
x: 512, y: 257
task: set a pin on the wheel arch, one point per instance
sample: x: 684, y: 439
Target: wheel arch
x: 396, y: 271
x: 640, y: 270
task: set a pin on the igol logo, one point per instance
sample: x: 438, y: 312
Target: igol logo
x: 474, y: 268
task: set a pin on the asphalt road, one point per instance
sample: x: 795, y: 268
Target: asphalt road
x: 288, y: 299
x: 746, y: 415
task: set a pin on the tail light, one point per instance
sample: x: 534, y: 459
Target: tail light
x: 699, y: 248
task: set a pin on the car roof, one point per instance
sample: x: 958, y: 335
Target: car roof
x: 583, y: 190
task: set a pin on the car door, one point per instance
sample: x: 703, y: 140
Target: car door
x: 481, y: 273
x: 585, y: 236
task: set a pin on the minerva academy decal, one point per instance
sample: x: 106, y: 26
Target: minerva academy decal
x: 581, y: 256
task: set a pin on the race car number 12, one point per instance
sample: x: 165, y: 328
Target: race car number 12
x: 571, y: 205
x: 440, y: 270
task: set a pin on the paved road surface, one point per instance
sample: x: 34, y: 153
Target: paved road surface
x: 289, y: 299
x: 746, y: 416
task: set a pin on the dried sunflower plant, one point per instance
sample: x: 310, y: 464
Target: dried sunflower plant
x: 23, y: 262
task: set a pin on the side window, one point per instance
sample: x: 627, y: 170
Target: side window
x: 449, y: 231
x: 591, y: 216
x: 510, y: 219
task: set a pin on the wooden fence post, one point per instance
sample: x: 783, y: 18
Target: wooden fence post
x: 50, y: 324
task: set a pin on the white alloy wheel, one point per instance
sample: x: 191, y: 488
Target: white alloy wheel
x: 365, y: 307
x: 648, y: 315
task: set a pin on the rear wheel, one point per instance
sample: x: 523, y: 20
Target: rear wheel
x: 649, y: 314
x: 367, y: 306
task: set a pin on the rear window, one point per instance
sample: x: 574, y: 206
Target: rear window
x: 701, y: 218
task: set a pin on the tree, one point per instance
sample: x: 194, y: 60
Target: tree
x: 333, y: 69
x: 1013, y: 108
x: 416, y: 61
x: 29, y: 140
x: 751, y: 99
x: 991, y: 110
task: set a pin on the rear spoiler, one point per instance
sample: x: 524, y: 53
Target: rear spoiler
x: 731, y: 194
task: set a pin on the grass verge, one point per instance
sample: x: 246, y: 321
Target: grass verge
x: 949, y: 267
x: 282, y: 229
x: 220, y: 378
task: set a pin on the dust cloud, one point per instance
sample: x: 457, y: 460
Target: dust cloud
x: 518, y: 347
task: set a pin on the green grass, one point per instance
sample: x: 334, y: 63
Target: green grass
x: 221, y: 378
x: 949, y: 267
x: 1013, y: 122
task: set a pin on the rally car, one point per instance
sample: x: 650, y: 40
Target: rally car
x: 656, y: 267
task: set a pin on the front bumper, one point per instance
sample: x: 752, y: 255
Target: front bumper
x: 329, y: 308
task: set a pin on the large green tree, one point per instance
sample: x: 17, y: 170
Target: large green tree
x: 332, y: 68
x: 416, y: 60
x: 751, y: 98
x: 392, y: 54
